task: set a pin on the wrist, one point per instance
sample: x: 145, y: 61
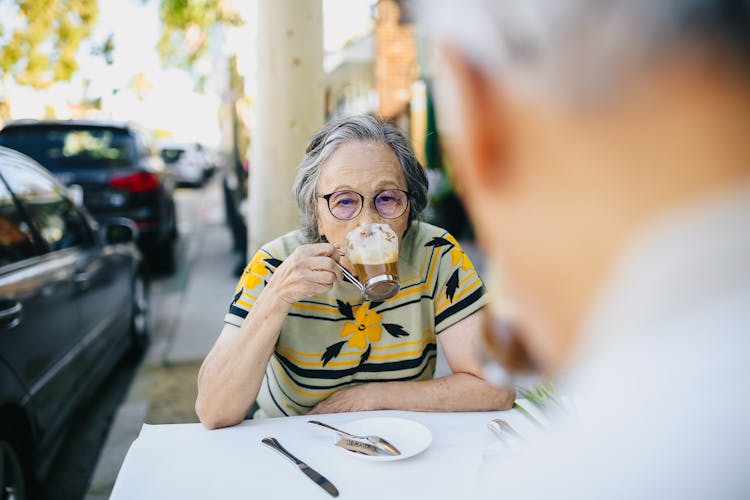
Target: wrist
x: 273, y: 299
x: 375, y: 396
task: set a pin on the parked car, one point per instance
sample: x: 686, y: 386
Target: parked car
x: 189, y: 163
x: 73, y: 300
x: 120, y: 174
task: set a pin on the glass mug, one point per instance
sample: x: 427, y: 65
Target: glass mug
x: 372, y: 250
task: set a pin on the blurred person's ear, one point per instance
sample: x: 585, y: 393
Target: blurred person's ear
x: 471, y: 120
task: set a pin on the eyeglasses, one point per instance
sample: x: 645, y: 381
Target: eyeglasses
x: 346, y: 205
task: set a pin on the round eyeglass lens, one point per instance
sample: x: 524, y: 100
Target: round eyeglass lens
x: 345, y: 204
x: 391, y: 203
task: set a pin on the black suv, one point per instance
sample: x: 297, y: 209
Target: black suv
x: 120, y: 174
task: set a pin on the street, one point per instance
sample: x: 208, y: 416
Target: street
x: 160, y: 386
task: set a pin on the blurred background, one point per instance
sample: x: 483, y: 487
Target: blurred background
x: 188, y: 118
x: 187, y: 72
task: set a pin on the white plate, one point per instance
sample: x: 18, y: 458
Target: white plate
x: 408, y: 436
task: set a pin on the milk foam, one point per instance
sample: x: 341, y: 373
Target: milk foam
x: 372, y: 244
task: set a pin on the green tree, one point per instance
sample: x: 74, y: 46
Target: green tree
x: 39, y: 39
x: 185, y: 29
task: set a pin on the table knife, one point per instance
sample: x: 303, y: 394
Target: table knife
x: 309, y: 471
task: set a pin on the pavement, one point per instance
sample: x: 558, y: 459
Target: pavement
x: 187, y: 314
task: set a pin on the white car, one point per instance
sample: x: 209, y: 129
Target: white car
x: 188, y: 163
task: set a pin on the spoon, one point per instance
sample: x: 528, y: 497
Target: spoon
x: 351, y: 278
x: 349, y: 275
x: 376, y: 440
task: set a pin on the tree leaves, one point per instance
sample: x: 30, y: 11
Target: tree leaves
x: 451, y: 286
x: 332, y: 351
x: 365, y: 354
x: 186, y: 26
x: 395, y: 330
x: 345, y: 309
x: 41, y: 49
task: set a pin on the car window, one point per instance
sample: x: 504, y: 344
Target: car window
x: 16, y: 241
x: 171, y: 155
x: 69, y: 147
x: 55, y: 218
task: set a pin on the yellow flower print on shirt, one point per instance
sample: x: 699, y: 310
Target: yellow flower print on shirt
x: 255, y: 272
x: 459, y: 262
x: 458, y: 255
x: 366, y: 327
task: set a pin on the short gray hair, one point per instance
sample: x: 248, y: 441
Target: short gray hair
x: 338, y: 132
x: 582, y: 48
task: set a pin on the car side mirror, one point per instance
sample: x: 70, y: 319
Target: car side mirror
x: 119, y: 230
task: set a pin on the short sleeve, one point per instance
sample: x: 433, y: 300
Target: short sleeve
x: 460, y: 291
x: 252, y: 282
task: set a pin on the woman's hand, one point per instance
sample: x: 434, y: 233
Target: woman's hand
x: 310, y: 270
x: 356, y: 398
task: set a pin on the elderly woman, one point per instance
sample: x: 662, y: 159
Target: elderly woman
x: 299, y: 339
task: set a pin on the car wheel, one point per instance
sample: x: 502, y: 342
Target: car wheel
x: 139, y: 321
x: 12, y: 478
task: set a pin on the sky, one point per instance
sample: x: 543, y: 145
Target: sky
x: 171, y: 104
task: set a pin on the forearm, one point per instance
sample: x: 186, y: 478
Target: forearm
x: 456, y: 392
x: 231, y: 374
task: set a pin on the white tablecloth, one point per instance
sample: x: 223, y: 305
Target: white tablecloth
x: 187, y: 461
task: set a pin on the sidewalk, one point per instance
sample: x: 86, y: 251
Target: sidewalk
x: 187, y: 315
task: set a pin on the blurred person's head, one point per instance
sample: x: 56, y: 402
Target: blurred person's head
x: 572, y: 123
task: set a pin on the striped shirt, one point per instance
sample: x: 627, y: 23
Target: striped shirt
x: 337, y: 339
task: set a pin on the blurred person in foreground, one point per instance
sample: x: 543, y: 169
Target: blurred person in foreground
x: 603, y: 151
x: 298, y: 339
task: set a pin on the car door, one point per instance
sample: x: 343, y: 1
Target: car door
x: 90, y: 318
x: 102, y: 275
x: 41, y: 305
x: 103, y: 282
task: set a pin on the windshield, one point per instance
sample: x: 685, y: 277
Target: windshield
x: 63, y: 148
x: 171, y: 155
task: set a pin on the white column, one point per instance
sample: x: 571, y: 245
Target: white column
x: 289, y: 109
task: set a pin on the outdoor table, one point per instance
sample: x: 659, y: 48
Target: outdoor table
x: 188, y: 461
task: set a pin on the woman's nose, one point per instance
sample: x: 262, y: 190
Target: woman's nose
x: 369, y: 215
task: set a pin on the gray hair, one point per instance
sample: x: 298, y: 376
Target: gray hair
x: 583, y: 48
x: 328, y: 139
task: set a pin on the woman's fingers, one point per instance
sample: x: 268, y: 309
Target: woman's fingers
x: 322, y: 249
x: 310, y: 270
x: 318, y: 277
x: 326, y: 264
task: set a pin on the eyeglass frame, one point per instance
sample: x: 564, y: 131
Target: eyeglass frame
x: 327, y: 197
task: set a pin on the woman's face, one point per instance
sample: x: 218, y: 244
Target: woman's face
x: 367, y: 168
